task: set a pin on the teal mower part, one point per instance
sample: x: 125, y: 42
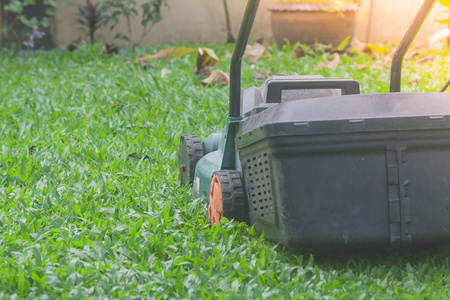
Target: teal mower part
x: 219, y: 156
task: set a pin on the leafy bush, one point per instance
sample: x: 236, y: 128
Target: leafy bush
x: 151, y: 14
x: 17, y: 7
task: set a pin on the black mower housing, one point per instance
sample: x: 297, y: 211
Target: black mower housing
x: 354, y: 172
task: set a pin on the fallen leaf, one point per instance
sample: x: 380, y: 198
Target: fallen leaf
x: 415, y: 81
x: 254, y: 52
x: 378, y: 49
x: 263, y: 41
x: 359, y: 46
x: 270, y: 71
x: 297, y: 53
x: 425, y: 59
x: 424, y: 53
x: 387, y: 59
x: 321, y: 48
x: 217, y: 77
x: 335, y: 58
x: 145, y: 65
x: 362, y: 67
x: 376, y: 66
x: 258, y: 76
x: 206, y: 58
x: 411, y: 54
x: 167, y: 54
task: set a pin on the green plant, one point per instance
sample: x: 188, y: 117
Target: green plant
x: 128, y: 9
x: 446, y: 3
x: 320, y: 2
x: 90, y: 17
x: 17, y: 7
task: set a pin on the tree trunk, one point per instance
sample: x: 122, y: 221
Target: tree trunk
x: 230, y: 37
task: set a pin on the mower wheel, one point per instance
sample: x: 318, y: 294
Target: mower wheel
x: 189, y: 153
x: 226, y: 197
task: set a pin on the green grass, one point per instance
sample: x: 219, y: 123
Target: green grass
x: 79, y: 218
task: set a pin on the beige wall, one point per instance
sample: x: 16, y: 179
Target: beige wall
x: 204, y: 21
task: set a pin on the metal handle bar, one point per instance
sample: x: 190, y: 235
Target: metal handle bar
x: 236, y: 59
x: 397, y: 61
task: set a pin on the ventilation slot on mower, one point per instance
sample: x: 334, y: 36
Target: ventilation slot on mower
x: 258, y: 172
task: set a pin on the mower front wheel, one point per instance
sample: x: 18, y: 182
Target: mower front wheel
x: 189, y: 153
x: 226, y: 197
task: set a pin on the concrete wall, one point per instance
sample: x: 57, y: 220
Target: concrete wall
x: 204, y: 21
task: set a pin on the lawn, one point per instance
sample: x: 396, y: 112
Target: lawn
x: 90, y: 205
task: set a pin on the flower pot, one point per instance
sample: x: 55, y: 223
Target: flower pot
x: 309, y: 23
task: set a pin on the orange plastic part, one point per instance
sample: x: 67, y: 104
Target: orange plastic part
x: 215, y: 201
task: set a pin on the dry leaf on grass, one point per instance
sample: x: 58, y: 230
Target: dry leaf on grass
x: 373, y: 65
x: 423, y: 54
x: 145, y: 65
x: 378, y: 49
x: 263, y: 41
x: 415, y: 81
x: 205, y: 58
x: 217, y: 77
x: 360, y: 47
x: 258, y: 76
x: 370, y: 49
x: 362, y: 67
x: 321, y: 47
x: 297, y: 53
x: 167, y: 54
x: 254, y: 52
x: 425, y: 59
x: 335, y: 58
x: 387, y: 59
x: 376, y: 66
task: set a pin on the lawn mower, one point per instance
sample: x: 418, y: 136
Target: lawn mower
x: 316, y: 165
